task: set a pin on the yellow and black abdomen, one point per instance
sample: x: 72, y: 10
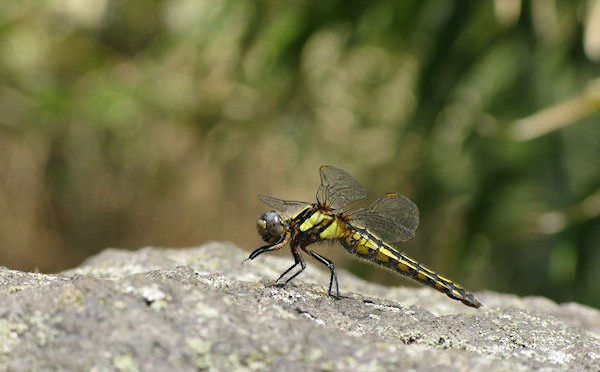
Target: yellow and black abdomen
x: 365, y: 245
x: 314, y: 225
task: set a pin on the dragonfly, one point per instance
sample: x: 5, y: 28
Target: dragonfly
x: 366, y: 232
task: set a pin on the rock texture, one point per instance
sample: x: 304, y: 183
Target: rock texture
x: 200, y: 309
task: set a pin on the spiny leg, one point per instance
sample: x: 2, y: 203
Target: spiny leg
x: 257, y: 252
x: 297, y: 261
x: 297, y: 258
x: 327, y: 262
x: 267, y: 248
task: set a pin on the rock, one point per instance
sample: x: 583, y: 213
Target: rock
x: 200, y: 309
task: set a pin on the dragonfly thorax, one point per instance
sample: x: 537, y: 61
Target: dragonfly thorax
x: 271, y: 227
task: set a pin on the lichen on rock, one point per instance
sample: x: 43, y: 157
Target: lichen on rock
x: 199, y: 309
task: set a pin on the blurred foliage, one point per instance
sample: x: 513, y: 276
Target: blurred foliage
x: 157, y: 122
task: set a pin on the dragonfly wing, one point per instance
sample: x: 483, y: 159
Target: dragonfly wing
x: 338, y: 188
x: 393, y: 217
x: 288, y: 207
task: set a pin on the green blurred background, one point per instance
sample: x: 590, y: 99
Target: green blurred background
x: 133, y: 123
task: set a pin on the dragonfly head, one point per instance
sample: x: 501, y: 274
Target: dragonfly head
x: 271, y: 227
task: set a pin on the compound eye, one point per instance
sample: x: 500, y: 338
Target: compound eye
x: 271, y: 228
x: 274, y: 223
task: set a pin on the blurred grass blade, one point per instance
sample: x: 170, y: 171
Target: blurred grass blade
x: 558, y: 116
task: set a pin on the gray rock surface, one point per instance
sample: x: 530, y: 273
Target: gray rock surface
x: 199, y: 309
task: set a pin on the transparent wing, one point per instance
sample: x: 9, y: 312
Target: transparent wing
x: 338, y: 188
x: 288, y: 207
x: 393, y: 217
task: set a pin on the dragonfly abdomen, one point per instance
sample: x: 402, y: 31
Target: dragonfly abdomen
x: 365, y: 245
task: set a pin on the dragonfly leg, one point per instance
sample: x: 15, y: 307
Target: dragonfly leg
x: 257, y: 252
x: 333, y: 279
x: 297, y: 261
x: 267, y: 248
